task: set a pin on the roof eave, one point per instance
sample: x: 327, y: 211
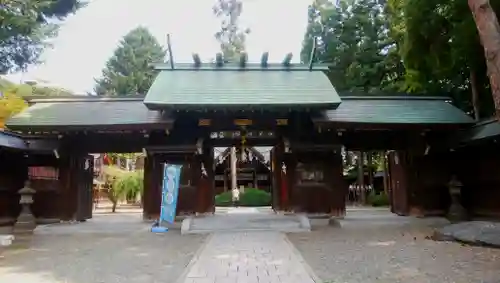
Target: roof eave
x: 163, y: 125
x: 388, y: 125
x: 158, y: 106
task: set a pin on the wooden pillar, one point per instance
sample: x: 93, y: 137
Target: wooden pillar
x: 398, y: 169
x: 155, y: 187
x: 338, y: 185
x: 287, y: 194
x: 276, y: 160
x: 148, y: 194
x: 84, y: 186
x: 205, y: 188
x: 210, y: 177
x: 68, y: 175
x: 234, y: 173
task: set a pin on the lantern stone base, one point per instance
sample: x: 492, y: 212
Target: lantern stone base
x: 457, y: 212
x: 25, y: 224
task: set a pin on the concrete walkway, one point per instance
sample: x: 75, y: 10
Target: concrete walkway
x: 248, y: 257
x: 245, y: 219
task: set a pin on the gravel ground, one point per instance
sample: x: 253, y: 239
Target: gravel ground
x: 375, y: 246
x: 109, y: 248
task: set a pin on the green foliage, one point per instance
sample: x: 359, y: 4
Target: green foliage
x: 123, y: 185
x: 223, y: 199
x: 412, y: 46
x: 12, y: 100
x: 129, y: 71
x: 441, y: 50
x: 376, y: 200
x: 24, y: 90
x: 10, y: 104
x: 24, y: 28
x: 255, y: 197
x: 250, y: 197
x: 230, y: 36
x: 353, y: 38
x: 128, y: 186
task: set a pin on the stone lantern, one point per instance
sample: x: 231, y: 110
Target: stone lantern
x: 456, y: 211
x: 26, y: 222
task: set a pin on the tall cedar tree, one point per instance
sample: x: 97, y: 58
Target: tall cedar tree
x: 353, y: 38
x: 230, y: 36
x: 129, y: 71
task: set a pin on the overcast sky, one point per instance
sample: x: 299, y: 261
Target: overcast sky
x: 88, y: 38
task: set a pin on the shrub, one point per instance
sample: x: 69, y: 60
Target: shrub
x: 129, y: 186
x: 223, y: 199
x: 251, y: 197
x: 124, y: 185
x: 255, y: 197
x: 381, y: 199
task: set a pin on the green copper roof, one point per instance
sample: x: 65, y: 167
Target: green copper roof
x: 233, y: 87
x: 482, y: 130
x: 87, y: 113
x: 11, y: 140
x: 396, y: 110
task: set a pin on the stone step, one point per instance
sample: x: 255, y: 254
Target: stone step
x: 245, y: 223
x: 6, y: 240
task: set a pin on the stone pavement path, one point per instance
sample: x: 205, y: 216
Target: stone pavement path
x: 248, y: 257
x: 115, y: 248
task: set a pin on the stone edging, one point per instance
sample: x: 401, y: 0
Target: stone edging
x: 301, y: 259
x: 196, y: 256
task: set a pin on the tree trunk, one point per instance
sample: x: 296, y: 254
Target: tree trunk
x: 475, y: 95
x: 489, y: 33
x: 361, y: 177
x: 369, y: 161
x: 386, y: 173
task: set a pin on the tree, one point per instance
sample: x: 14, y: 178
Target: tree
x: 231, y: 37
x: 442, y: 52
x: 10, y: 104
x: 353, y: 37
x: 129, y: 71
x: 24, y: 28
x: 489, y: 32
x: 25, y: 90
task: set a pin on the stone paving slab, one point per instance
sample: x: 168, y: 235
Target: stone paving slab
x: 107, y: 249
x: 248, y: 257
x: 377, y: 247
x: 246, y: 219
x: 472, y: 232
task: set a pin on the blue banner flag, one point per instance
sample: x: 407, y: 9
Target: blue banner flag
x: 170, y: 192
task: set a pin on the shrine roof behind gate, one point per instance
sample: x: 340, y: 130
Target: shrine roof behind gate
x: 396, y: 110
x: 81, y: 113
x: 230, y: 87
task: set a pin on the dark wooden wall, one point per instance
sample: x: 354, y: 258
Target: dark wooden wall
x: 13, y: 173
x: 477, y: 168
x: 325, y: 194
x: 196, y: 191
x: 418, y: 182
